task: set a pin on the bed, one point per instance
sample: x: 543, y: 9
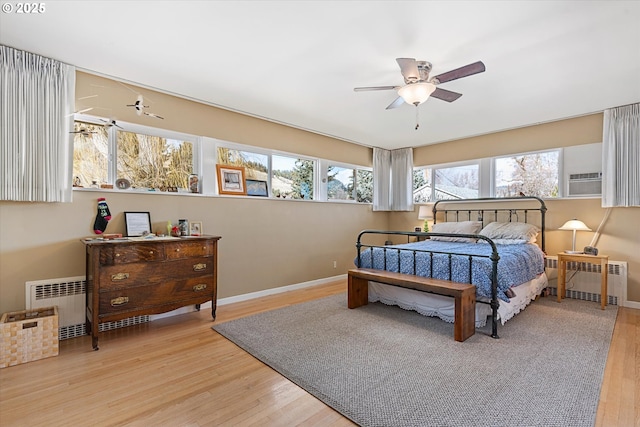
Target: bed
x: 495, y: 244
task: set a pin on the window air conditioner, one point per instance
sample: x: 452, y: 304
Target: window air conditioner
x: 585, y: 184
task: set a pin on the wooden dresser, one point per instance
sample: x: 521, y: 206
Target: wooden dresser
x: 127, y: 278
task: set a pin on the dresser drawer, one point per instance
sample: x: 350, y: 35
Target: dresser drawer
x: 122, y: 254
x: 145, y: 297
x: 176, y: 250
x: 121, y: 276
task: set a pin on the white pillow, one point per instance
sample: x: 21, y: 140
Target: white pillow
x: 506, y: 241
x: 511, y: 231
x: 463, y: 227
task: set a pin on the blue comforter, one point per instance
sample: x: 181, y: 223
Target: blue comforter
x: 518, y: 263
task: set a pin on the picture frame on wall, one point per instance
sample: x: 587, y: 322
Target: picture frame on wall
x: 195, y: 228
x: 257, y: 188
x: 231, y: 180
x: 137, y: 223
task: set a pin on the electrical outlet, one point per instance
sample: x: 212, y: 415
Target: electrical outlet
x: 335, y: 264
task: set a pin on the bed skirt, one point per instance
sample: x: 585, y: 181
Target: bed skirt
x: 443, y: 307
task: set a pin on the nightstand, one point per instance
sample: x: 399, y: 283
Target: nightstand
x: 564, y: 258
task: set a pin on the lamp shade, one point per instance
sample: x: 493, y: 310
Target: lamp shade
x: 416, y: 93
x: 425, y: 212
x: 574, y: 224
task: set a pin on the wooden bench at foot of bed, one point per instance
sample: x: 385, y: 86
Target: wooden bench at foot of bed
x: 464, y: 294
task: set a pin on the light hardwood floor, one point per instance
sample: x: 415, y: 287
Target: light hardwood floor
x: 178, y: 372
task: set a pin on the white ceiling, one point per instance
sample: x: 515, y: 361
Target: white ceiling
x: 298, y: 62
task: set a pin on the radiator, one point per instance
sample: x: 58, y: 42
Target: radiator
x: 583, y: 280
x: 69, y: 294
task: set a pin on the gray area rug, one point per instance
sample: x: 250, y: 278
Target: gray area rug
x: 383, y: 366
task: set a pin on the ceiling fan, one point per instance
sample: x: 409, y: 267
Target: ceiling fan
x: 111, y: 122
x: 419, y: 86
x: 84, y: 132
x: 139, y: 106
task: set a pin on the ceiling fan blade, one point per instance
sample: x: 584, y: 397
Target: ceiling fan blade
x: 445, y: 95
x: 153, y: 115
x: 395, y: 104
x: 408, y: 68
x: 467, y: 70
x: 362, y: 89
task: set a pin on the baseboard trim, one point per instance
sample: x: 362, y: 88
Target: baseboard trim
x: 632, y: 304
x: 250, y: 296
x: 274, y: 291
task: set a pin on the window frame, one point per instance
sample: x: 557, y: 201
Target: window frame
x: 205, y: 159
x: 487, y: 170
x: 324, y: 178
x: 112, y: 135
x: 560, y: 152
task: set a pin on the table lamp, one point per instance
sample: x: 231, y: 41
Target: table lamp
x: 574, y: 225
x: 425, y: 212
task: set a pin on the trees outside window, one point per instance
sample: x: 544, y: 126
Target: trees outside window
x: 90, y: 154
x: 153, y: 162
x: 533, y: 174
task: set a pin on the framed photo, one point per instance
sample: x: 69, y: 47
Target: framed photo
x: 257, y: 188
x: 231, y: 180
x: 195, y: 228
x: 137, y: 223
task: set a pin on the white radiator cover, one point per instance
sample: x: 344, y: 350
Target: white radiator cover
x: 585, y: 284
x: 69, y: 294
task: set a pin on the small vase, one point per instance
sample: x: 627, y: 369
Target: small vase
x: 193, y: 183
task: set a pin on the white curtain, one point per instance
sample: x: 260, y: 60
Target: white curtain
x: 621, y: 157
x: 381, y: 179
x: 402, y: 179
x: 393, y: 180
x: 36, y: 106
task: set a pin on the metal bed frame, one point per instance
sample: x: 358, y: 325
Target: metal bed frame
x: 484, y: 215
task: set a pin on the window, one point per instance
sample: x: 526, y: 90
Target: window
x: 90, y: 154
x: 349, y: 183
x: 152, y: 161
x: 292, y: 177
x: 534, y: 174
x: 422, y: 185
x: 160, y: 159
x: 256, y: 164
x: 530, y: 174
x: 146, y: 157
x: 458, y: 182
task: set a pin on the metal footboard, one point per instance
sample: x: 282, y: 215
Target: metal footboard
x: 494, y: 257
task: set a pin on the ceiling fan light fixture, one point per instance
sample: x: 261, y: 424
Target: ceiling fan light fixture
x: 416, y: 93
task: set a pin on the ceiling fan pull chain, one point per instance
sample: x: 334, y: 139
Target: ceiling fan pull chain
x: 417, y: 118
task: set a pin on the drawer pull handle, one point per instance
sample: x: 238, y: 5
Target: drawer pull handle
x: 119, y: 276
x: 119, y: 301
x: 200, y: 287
x: 150, y: 252
x: 117, y: 255
x: 199, y: 267
x: 178, y: 250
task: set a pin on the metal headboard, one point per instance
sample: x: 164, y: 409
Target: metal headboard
x: 487, y: 215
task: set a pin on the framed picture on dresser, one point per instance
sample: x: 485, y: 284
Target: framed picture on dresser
x: 137, y: 223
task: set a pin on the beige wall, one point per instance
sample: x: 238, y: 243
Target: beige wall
x: 620, y: 236
x: 265, y: 243
x: 271, y: 243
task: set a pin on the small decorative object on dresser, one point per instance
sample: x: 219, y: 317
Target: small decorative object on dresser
x: 195, y: 228
x: 137, y: 223
x: 135, y: 278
